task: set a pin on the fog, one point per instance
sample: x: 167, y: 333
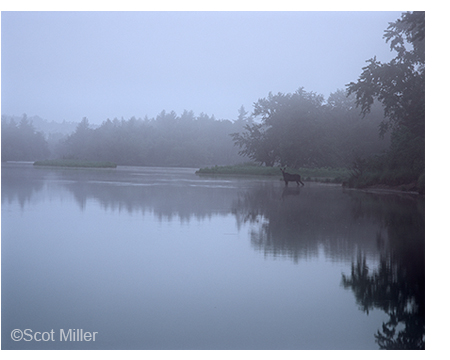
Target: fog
x: 99, y: 65
x: 115, y: 233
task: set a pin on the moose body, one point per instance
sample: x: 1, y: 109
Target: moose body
x: 291, y: 177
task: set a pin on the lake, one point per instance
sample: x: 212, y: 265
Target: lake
x: 161, y: 258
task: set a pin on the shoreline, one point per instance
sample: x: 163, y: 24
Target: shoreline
x: 386, y: 189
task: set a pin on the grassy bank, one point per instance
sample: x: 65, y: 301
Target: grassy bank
x: 307, y: 174
x: 395, y: 180
x: 75, y: 163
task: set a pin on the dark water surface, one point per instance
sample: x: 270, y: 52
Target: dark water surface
x: 160, y: 258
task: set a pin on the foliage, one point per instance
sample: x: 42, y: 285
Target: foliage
x: 255, y: 144
x: 400, y: 84
x: 167, y: 140
x: 302, y: 130
x: 400, y: 87
x: 20, y: 141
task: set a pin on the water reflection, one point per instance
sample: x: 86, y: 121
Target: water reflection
x: 389, y: 229
x: 16, y: 184
x: 297, y: 222
x: 378, y: 239
x: 397, y: 285
x: 166, y: 193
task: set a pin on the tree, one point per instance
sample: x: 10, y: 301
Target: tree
x: 400, y: 86
x: 79, y: 144
x: 289, y: 132
x: 302, y: 130
x: 167, y: 140
x: 350, y: 135
x: 243, y: 119
x: 255, y: 144
x: 20, y: 141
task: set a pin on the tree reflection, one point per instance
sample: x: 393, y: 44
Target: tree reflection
x: 397, y: 286
x: 298, y: 222
x: 132, y: 190
x: 385, y: 229
x: 389, y: 289
x: 16, y: 185
x: 295, y: 223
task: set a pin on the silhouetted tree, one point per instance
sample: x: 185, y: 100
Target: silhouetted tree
x: 400, y: 86
x: 301, y: 129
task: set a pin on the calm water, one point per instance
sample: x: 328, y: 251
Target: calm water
x: 160, y: 258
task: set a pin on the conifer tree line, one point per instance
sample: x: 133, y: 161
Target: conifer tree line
x: 166, y: 140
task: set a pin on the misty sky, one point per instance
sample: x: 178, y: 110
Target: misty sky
x: 68, y: 65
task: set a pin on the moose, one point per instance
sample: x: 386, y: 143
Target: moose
x: 291, y: 177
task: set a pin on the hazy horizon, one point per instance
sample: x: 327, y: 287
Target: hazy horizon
x: 69, y: 65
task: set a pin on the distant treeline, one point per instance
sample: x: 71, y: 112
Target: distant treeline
x: 331, y: 136
x: 167, y: 140
x: 21, y: 141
